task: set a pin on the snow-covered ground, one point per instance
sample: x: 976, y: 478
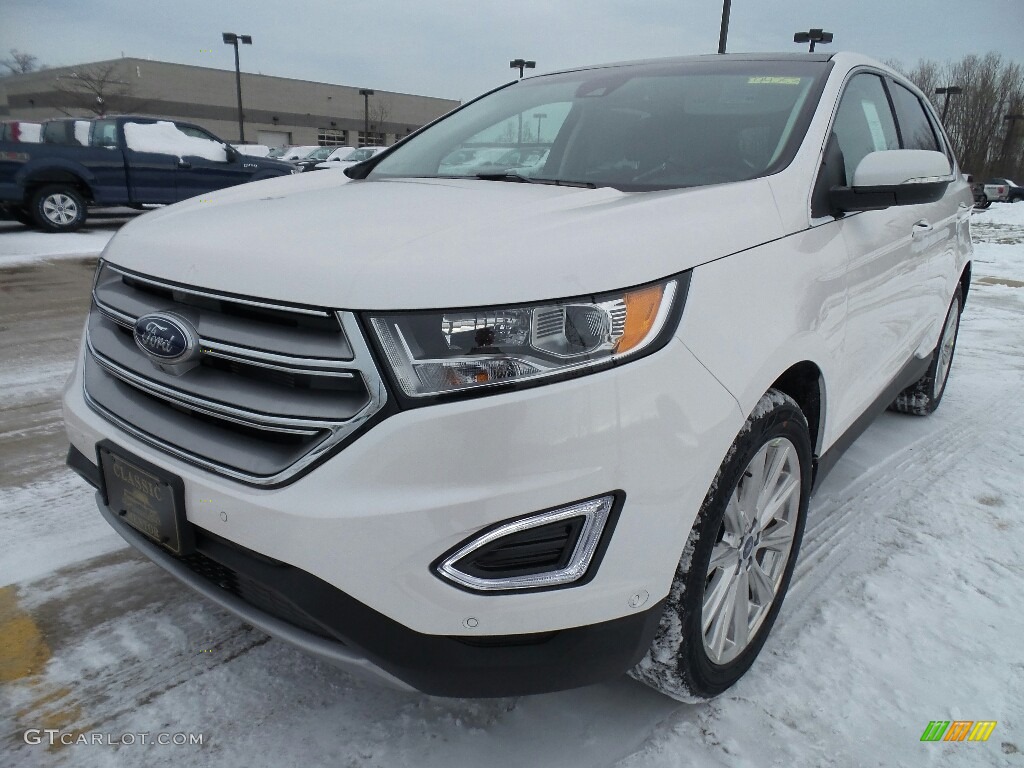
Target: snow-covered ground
x: 21, y: 245
x: 906, y: 608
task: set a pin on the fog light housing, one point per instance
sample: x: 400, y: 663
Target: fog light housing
x: 556, y: 548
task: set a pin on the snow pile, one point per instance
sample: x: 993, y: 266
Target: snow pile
x: 165, y: 138
x: 82, y: 132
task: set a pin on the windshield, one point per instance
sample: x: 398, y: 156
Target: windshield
x: 319, y: 154
x: 358, y: 155
x: 636, y: 127
x: 277, y: 152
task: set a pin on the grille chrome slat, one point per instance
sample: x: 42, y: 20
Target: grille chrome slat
x: 313, y: 335
x: 246, y: 418
x: 317, y: 399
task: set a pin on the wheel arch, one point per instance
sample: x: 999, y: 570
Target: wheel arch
x: 965, y: 284
x: 805, y: 383
x: 44, y: 177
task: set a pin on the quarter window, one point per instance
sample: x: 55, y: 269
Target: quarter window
x: 864, y: 123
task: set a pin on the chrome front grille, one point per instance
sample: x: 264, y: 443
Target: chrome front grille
x: 276, y: 386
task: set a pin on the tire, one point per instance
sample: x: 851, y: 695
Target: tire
x: 58, y: 208
x: 924, y: 395
x: 685, y: 661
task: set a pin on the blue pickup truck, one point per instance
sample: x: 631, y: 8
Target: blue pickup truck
x: 118, y: 161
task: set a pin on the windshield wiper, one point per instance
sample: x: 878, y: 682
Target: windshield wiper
x: 517, y: 177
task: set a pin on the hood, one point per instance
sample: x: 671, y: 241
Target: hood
x: 322, y: 240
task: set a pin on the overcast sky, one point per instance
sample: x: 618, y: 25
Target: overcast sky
x: 459, y: 48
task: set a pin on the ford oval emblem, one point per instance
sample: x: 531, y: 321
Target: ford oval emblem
x: 164, y: 338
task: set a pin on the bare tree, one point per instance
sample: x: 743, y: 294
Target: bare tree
x: 101, y: 89
x: 992, y: 88
x: 19, y: 63
x: 380, y: 111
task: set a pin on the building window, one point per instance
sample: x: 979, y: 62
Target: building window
x: 328, y: 137
x: 375, y: 139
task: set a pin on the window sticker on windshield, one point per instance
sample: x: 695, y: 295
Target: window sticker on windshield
x: 874, y: 125
x: 773, y: 81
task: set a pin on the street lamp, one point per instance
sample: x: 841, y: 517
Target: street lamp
x: 813, y: 36
x: 230, y: 38
x: 366, y: 93
x: 540, y: 116
x: 949, y: 90
x: 522, y: 64
x: 724, y: 33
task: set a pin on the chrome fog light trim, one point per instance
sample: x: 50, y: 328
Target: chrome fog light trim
x: 595, y: 514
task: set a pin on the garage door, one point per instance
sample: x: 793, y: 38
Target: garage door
x: 274, y: 138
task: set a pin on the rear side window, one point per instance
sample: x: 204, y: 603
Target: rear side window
x: 864, y: 122
x: 915, y: 128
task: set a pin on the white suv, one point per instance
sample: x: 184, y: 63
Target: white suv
x: 485, y: 434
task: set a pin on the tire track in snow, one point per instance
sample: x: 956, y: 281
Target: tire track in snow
x: 841, y: 526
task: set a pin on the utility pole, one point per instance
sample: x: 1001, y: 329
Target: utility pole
x: 723, y: 35
x: 230, y: 38
x: 366, y: 93
x: 949, y: 90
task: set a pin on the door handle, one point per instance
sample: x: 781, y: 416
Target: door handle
x: 183, y: 163
x: 922, y: 226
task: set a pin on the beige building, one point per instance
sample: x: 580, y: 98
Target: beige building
x: 277, y: 110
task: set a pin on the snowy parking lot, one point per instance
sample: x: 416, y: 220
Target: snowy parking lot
x: 905, y: 607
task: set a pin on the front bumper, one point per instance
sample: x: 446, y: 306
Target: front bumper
x: 364, y: 527
x: 300, y: 609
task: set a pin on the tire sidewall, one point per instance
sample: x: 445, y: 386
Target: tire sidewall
x: 41, y: 219
x: 939, y: 387
x: 705, y: 678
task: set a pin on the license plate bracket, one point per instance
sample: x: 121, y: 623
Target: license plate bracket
x: 146, y: 497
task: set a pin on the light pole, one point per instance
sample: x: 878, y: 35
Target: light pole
x: 230, y: 38
x: 522, y: 64
x: 366, y: 93
x: 949, y: 90
x: 813, y: 36
x: 723, y: 35
x: 540, y: 116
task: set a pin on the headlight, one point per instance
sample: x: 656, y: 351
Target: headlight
x: 433, y: 353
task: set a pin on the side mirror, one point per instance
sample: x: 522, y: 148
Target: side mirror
x: 232, y: 154
x: 894, y: 177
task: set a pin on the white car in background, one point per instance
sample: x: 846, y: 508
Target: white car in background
x: 347, y: 161
x: 292, y: 154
